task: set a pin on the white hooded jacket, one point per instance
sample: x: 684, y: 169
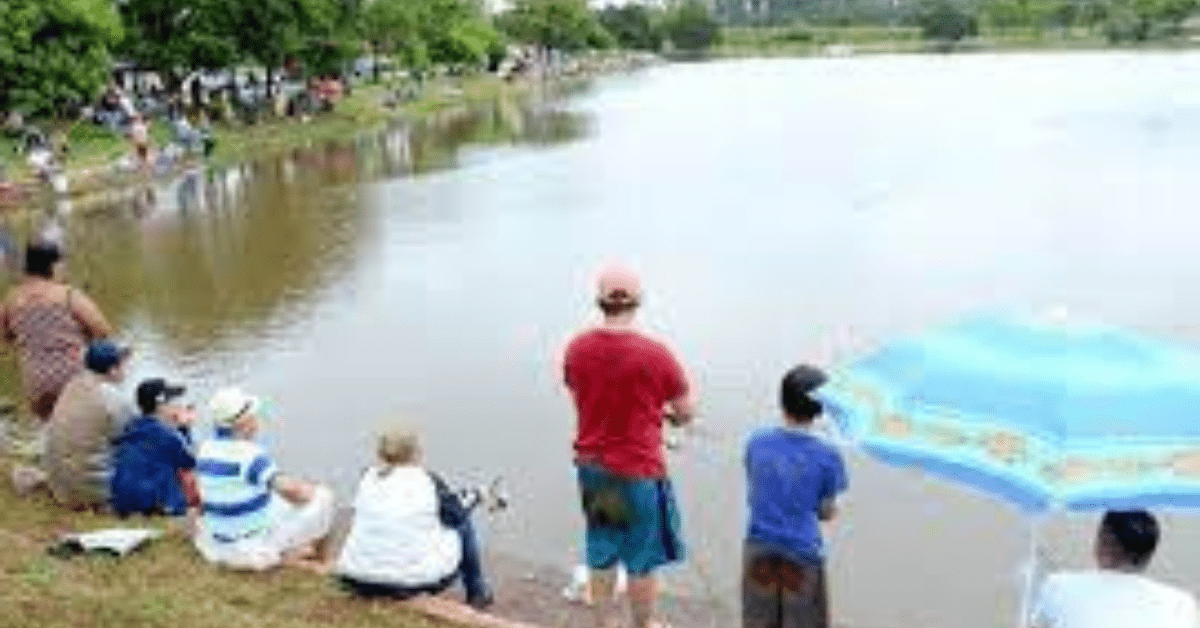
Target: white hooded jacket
x: 397, y: 536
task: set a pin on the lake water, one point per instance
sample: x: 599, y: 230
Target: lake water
x: 780, y: 211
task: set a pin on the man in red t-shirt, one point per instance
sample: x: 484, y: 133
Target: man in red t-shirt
x: 622, y: 380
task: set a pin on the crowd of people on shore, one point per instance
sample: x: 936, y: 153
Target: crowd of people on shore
x: 410, y: 534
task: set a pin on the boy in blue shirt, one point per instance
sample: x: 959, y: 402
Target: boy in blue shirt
x: 793, y: 479
x: 153, y: 456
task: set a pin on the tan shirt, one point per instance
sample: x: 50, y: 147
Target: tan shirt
x: 88, y: 415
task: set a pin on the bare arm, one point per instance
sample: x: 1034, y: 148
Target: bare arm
x: 297, y: 492
x: 93, y: 320
x: 682, y: 411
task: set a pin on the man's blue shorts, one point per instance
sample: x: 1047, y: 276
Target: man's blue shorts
x: 631, y: 520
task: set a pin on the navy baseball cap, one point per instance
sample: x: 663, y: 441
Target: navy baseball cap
x: 103, y: 355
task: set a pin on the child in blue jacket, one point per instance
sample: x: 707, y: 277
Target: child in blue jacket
x: 153, y: 459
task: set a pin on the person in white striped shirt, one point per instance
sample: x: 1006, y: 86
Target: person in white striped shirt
x: 253, y: 517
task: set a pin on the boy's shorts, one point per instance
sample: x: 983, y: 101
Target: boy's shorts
x: 782, y: 593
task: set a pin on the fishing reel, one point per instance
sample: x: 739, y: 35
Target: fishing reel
x: 491, y: 497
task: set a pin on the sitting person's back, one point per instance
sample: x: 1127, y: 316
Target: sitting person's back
x: 254, y: 517
x: 1113, y: 599
x: 1117, y: 595
x: 153, y: 457
x: 87, y: 415
x: 397, y: 536
x: 409, y: 534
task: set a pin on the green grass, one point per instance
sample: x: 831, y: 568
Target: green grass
x: 163, y: 586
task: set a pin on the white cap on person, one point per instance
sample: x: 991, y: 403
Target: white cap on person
x: 230, y: 403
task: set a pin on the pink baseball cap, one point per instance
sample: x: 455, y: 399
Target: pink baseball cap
x: 618, y: 281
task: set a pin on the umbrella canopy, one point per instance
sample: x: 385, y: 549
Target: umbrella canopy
x: 1042, y: 412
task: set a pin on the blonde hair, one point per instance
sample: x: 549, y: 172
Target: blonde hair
x: 398, y: 444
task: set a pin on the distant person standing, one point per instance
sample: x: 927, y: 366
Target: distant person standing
x: 621, y: 380
x: 793, y: 481
x: 50, y: 323
x: 1117, y: 595
x: 139, y: 134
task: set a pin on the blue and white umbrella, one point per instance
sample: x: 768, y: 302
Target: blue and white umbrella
x: 1045, y: 413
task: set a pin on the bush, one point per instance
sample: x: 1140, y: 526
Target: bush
x: 692, y: 28
x: 946, y: 22
x: 797, y: 35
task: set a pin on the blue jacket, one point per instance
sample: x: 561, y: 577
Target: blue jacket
x: 147, y: 458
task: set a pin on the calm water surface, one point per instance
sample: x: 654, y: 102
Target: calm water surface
x: 780, y: 210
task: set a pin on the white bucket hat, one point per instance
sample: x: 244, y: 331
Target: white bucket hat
x: 230, y: 403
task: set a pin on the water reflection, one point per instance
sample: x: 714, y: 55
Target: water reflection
x: 222, y: 261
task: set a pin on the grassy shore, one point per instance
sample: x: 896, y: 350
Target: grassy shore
x: 163, y: 586
x: 94, y: 150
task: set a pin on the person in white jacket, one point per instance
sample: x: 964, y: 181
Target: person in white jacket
x: 409, y: 534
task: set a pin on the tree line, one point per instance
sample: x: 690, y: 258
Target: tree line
x: 1116, y: 20
x: 56, y: 55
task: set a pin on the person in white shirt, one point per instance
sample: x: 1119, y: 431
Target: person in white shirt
x: 409, y: 534
x: 1117, y: 595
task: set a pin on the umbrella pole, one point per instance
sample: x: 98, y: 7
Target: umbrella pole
x: 1029, y: 575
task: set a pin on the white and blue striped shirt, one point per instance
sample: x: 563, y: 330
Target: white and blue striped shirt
x: 235, y: 478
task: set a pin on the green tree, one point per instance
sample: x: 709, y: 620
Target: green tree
x: 1169, y: 12
x: 467, y: 42
x: 331, y: 39
x: 1005, y: 14
x: 946, y: 22
x: 554, y: 24
x: 54, y: 54
x: 455, y: 32
x: 690, y: 27
x: 1093, y: 13
x: 173, y: 37
x: 273, y: 31
x: 634, y: 26
x: 390, y: 26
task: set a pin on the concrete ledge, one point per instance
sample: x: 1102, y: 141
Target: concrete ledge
x: 449, y: 610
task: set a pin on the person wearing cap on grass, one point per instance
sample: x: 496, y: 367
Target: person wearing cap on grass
x: 153, y: 460
x: 793, y: 481
x: 89, y: 413
x: 409, y: 533
x: 621, y: 380
x: 252, y: 516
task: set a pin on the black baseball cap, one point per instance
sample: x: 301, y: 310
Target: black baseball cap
x: 806, y: 378
x: 152, y: 393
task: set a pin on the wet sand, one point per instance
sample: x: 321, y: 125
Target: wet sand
x: 529, y: 592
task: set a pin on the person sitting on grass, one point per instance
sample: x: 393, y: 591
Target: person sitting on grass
x: 409, y: 535
x: 78, y: 437
x: 254, y: 517
x: 1117, y: 595
x: 153, y: 462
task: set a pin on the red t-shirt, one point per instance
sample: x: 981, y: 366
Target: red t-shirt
x: 621, y: 380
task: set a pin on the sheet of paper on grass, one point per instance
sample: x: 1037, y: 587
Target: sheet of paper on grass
x: 119, y: 541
